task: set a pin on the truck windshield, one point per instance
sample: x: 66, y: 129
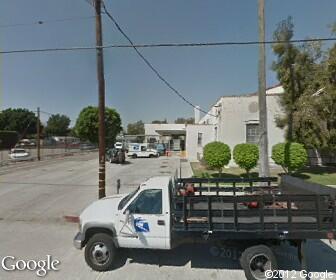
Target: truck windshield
x: 126, y: 199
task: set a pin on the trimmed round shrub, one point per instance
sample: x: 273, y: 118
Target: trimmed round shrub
x: 216, y: 155
x: 290, y: 156
x: 246, y: 156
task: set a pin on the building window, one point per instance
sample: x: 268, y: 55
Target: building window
x: 252, y: 133
x: 199, y: 139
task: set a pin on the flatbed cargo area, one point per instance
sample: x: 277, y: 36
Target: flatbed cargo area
x: 250, y: 208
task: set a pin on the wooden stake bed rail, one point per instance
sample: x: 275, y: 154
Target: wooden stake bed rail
x: 227, y: 211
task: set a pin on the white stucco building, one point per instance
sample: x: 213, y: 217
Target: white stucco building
x: 232, y: 120
x: 236, y: 119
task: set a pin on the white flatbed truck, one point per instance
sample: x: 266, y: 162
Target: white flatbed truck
x: 165, y: 212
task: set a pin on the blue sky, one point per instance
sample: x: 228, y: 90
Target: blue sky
x: 65, y: 82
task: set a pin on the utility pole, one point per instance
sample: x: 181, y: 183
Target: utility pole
x: 38, y: 147
x: 101, y: 99
x: 263, y: 136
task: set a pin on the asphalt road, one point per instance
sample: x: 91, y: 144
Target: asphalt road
x: 34, y: 198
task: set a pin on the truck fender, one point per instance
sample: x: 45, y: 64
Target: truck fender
x: 91, y: 228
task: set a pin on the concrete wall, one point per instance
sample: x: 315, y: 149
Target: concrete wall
x: 238, y: 111
x: 195, y: 151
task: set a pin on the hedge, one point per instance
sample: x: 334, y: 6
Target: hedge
x: 246, y: 156
x: 290, y: 156
x: 216, y: 155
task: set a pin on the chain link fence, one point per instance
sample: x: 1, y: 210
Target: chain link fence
x: 51, y: 147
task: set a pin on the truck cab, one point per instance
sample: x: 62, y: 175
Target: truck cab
x: 140, y: 219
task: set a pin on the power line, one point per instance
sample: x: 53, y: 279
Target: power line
x: 47, y: 113
x: 40, y: 22
x: 163, y: 45
x: 148, y: 63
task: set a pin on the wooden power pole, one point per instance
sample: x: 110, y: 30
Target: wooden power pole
x: 263, y: 136
x: 101, y: 99
x: 38, y: 135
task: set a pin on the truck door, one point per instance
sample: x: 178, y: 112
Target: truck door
x: 147, y: 223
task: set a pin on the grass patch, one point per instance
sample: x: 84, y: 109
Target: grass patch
x: 324, y: 175
x: 201, y: 171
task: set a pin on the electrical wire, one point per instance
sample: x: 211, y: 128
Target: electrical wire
x: 150, y: 65
x: 40, y: 22
x: 145, y: 60
x: 164, y: 45
x: 47, y: 113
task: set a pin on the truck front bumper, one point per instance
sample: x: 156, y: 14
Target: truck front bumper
x: 78, y: 240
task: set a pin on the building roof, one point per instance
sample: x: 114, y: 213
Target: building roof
x: 273, y: 90
x: 270, y: 91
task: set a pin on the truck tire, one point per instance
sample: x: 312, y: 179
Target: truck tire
x: 100, y: 252
x: 256, y: 260
x: 134, y: 156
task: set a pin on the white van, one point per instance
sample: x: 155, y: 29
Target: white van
x: 136, y: 150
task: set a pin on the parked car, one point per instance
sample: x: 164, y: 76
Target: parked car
x: 136, y: 150
x: 115, y: 155
x: 19, y: 154
x: 161, y: 148
x: 26, y: 143
x: 118, y: 145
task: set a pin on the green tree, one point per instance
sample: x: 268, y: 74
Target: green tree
x: 137, y: 128
x: 290, y: 156
x: 295, y: 67
x: 308, y: 74
x: 185, y: 120
x: 58, y: 125
x: 216, y: 155
x: 8, y: 139
x: 160, y: 122
x: 87, y: 125
x: 246, y: 156
x: 20, y: 120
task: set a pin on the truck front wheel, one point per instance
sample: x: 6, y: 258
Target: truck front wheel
x: 256, y: 260
x: 100, y: 252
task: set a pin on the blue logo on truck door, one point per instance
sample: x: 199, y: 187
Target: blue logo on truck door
x: 141, y: 225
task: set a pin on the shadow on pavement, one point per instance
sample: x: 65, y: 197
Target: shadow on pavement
x: 320, y: 256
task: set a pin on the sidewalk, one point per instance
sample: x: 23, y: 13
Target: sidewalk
x: 185, y: 169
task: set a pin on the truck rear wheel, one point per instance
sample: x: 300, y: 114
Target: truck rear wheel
x: 256, y: 260
x: 100, y: 252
